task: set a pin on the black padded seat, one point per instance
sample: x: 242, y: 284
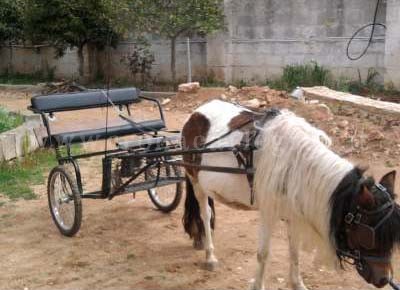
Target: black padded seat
x: 102, y: 133
x: 83, y: 100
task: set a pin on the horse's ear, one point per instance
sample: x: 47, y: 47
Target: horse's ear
x: 388, y: 181
x: 366, y: 198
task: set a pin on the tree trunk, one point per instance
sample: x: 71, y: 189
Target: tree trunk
x: 93, y: 72
x: 81, y: 60
x: 10, y: 68
x: 173, y: 62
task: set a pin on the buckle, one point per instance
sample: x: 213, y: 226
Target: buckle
x: 349, y: 218
x: 357, y: 218
x: 380, y: 187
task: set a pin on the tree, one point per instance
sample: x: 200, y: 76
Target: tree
x: 11, y: 24
x: 74, y: 24
x: 174, y: 18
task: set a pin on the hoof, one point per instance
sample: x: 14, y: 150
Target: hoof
x: 253, y: 286
x: 198, y: 245
x: 211, y: 266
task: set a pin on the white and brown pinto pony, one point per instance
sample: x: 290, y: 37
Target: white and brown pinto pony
x: 298, y: 179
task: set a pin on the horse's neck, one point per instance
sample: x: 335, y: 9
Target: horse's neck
x: 297, y: 174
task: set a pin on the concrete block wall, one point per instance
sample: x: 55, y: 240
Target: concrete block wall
x: 28, y: 60
x: 161, y: 67
x: 261, y: 37
x: 264, y: 36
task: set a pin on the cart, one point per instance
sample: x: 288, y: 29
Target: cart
x: 130, y: 167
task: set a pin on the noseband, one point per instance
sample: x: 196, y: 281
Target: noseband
x: 364, y: 233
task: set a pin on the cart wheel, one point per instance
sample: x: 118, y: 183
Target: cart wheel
x: 162, y: 197
x: 64, y: 201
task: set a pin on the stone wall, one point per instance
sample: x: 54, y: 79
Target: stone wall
x: 23, y: 139
x: 261, y: 37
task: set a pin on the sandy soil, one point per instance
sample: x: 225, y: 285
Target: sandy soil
x: 126, y: 244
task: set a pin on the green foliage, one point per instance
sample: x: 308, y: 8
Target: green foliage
x: 75, y: 23
x: 306, y: 75
x: 211, y: 81
x: 173, y: 18
x: 9, y: 121
x: 11, y: 21
x: 17, y: 177
x: 71, y: 23
x: 25, y: 79
x: 240, y: 84
x: 312, y: 74
x: 139, y: 62
x: 368, y: 87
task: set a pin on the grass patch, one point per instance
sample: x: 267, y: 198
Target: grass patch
x: 9, y: 121
x: 313, y: 74
x: 305, y: 75
x: 17, y: 177
x: 26, y: 79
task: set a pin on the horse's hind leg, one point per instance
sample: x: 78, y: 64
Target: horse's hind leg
x: 262, y: 253
x: 206, y: 215
x: 296, y: 280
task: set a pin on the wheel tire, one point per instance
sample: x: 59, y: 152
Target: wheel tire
x: 74, y: 195
x: 166, y: 208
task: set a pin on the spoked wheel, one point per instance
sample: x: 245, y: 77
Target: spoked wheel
x: 165, y: 198
x: 64, y: 201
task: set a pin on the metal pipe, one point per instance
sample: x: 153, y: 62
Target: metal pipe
x: 189, y: 61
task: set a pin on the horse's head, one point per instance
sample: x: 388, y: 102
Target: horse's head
x: 370, y: 228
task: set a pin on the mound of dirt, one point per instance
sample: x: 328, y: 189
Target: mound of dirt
x: 352, y: 134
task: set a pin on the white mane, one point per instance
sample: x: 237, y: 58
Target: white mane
x: 296, y: 175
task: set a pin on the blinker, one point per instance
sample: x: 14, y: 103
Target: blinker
x: 365, y: 236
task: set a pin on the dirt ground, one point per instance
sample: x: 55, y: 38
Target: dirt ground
x: 126, y: 244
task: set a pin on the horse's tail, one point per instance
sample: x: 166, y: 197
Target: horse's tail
x: 192, y: 221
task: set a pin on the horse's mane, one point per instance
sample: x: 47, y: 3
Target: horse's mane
x: 296, y: 176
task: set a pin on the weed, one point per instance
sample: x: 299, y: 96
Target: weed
x: 9, y: 121
x: 306, y: 75
x: 17, y: 177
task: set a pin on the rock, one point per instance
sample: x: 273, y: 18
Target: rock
x: 322, y: 113
x: 375, y: 136
x: 343, y: 124
x: 249, y: 89
x: 166, y: 101
x: 297, y: 94
x: 233, y: 90
x: 334, y: 131
x: 253, y: 103
x: 8, y: 146
x: 189, y: 87
x: 313, y: 102
x: 266, y: 89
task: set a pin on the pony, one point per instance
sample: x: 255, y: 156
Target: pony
x: 326, y: 201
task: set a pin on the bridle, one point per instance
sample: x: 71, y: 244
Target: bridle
x: 365, y: 234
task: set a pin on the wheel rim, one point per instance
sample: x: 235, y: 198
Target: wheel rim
x: 165, y: 195
x: 62, y: 201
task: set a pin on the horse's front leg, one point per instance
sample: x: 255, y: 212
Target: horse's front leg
x: 296, y: 280
x: 262, y: 254
x: 206, y: 212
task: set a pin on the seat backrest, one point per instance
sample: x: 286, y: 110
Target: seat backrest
x: 84, y: 100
